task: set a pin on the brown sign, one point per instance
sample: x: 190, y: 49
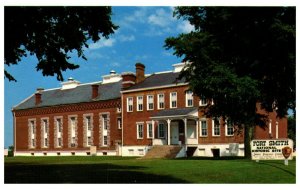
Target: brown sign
x: 286, y: 152
x: 272, y: 149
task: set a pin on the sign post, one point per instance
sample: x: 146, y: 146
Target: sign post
x: 269, y: 149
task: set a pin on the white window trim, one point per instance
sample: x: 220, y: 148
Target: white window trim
x: 137, y: 130
x: 213, y: 128
x: 270, y: 127
x: 32, y: 124
x: 186, y: 99
x: 137, y: 103
x: 200, y: 128
x: 226, y: 130
x: 148, y: 102
x: 200, y: 102
x: 56, y: 125
x: 150, y: 123
x: 85, y: 122
x: 119, y: 123
x: 159, y: 130
x: 158, y: 103
x: 71, y: 129
x: 171, y: 100
x: 130, y: 104
x: 45, y: 135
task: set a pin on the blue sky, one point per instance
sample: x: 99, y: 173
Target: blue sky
x: 140, y: 38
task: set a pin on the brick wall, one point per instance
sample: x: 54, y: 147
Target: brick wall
x: 130, y: 119
x: 23, y: 116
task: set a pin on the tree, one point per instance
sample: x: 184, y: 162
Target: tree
x: 52, y: 33
x: 292, y: 129
x: 11, y: 151
x: 243, y: 58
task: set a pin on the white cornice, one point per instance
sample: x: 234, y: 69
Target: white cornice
x: 154, y: 88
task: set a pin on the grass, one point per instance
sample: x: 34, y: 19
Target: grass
x: 131, y: 170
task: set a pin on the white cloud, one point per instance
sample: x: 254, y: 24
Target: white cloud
x: 161, y: 18
x: 125, y: 38
x: 138, y: 16
x: 94, y: 55
x: 102, y: 43
x: 115, y: 64
x: 185, y: 27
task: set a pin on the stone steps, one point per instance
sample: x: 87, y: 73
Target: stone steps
x: 163, y: 151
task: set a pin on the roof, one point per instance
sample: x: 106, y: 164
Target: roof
x: 179, y: 112
x: 80, y: 94
x: 158, y: 79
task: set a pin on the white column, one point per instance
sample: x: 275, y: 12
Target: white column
x: 169, y: 129
x: 185, y: 130
x: 153, y: 135
x: 197, y: 127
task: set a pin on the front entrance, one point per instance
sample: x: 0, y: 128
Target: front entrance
x: 174, y: 133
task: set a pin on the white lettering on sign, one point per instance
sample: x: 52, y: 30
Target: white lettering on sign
x: 272, y: 149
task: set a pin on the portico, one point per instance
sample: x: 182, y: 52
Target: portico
x: 176, y: 126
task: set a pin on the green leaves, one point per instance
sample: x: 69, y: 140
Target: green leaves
x: 51, y: 33
x: 240, y: 56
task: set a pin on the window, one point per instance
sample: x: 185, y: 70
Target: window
x: 131, y: 152
x: 45, y: 132
x: 59, y: 142
x: 32, y: 126
x: 141, y: 152
x: 150, y: 102
x: 72, y: 128
x: 229, y: 128
x: 216, y: 127
x: 104, y: 119
x: 105, y: 140
x: 33, y: 142
x: 119, y: 122
x: 173, y: 100
x: 45, y: 125
x: 89, y: 141
x: 46, y: 142
x: 203, y: 101
x: 189, y: 98
x: 129, y: 104
x: 31, y: 132
x: 58, y: 131
x: 161, y: 130
x: 88, y: 129
x: 139, y: 103
x: 59, y: 125
x: 88, y: 123
x: 149, y: 130
x: 203, y: 128
x: 161, y: 101
x: 139, y: 130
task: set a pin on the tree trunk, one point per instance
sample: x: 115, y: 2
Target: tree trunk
x: 248, y: 133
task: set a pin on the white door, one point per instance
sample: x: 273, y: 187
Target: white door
x: 174, y: 134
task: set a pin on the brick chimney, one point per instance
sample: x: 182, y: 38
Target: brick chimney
x: 140, y: 72
x: 95, y: 88
x: 38, y: 98
x: 128, y: 79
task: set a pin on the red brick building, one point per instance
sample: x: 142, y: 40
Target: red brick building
x: 71, y: 119
x: 126, y: 115
x: 159, y: 109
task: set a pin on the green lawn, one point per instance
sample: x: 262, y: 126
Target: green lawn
x: 131, y: 170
